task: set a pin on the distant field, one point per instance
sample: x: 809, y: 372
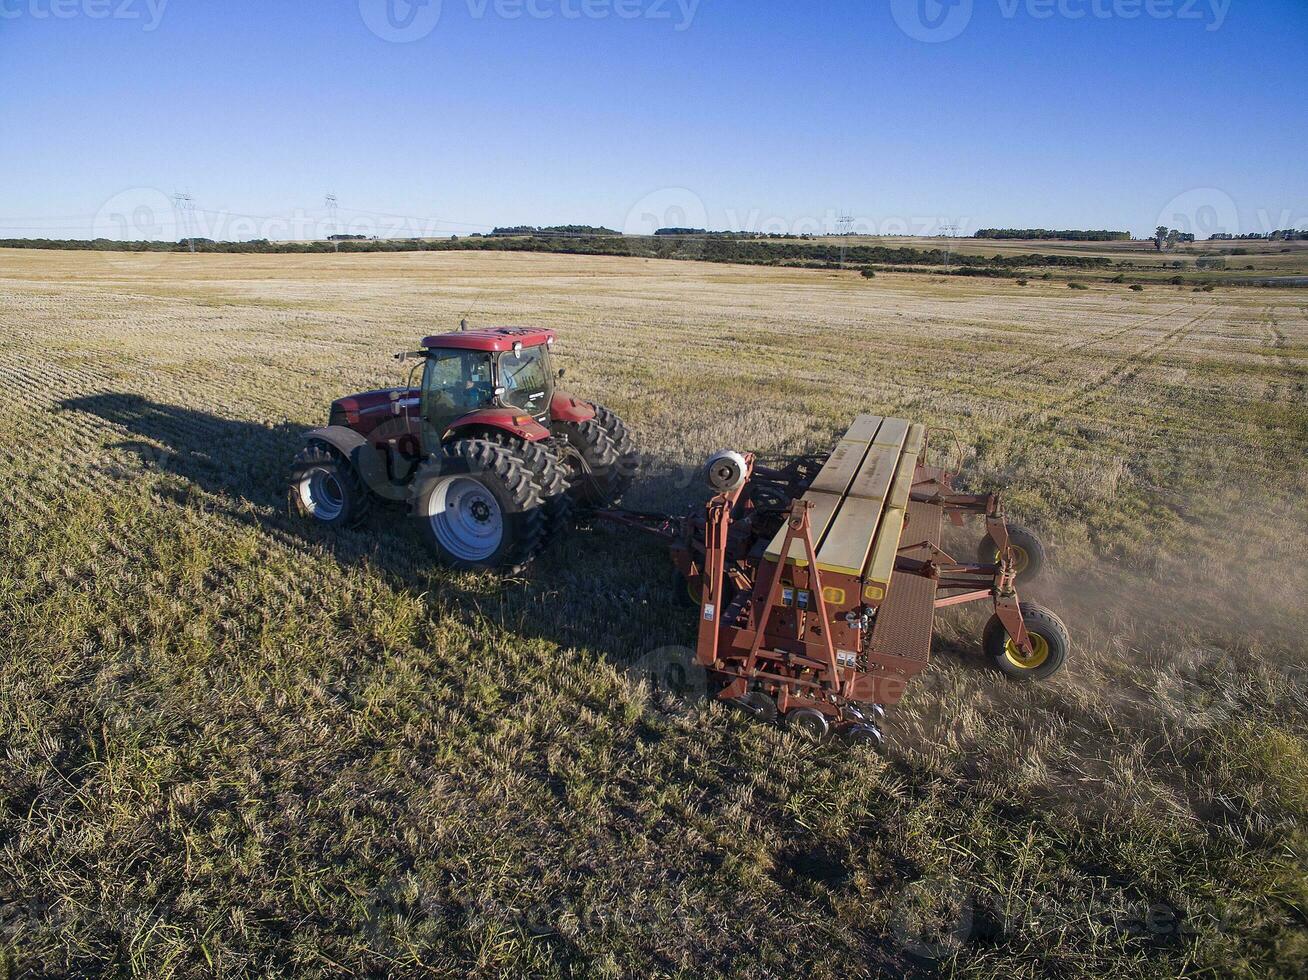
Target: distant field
x: 1267, y: 258
x: 235, y: 744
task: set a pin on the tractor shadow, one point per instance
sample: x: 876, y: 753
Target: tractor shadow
x: 601, y: 589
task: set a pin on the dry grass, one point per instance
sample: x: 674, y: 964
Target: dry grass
x: 236, y: 745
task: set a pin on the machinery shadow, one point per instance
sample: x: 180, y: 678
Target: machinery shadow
x: 568, y: 595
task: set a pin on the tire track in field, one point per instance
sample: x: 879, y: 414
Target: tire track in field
x: 1025, y: 364
x: 1125, y: 369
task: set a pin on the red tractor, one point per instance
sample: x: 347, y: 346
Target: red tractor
x: 489, y: 454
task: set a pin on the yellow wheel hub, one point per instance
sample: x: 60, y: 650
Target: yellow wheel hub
x: 1038, y: 655
x: 1020, y: 558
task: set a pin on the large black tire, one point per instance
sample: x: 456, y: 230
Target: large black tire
x: 1048, y: 634
x: 551, y: 479
x: 478, y: 507
x: 1028, y: 552
x: 325, y: 487
x: 623, y: 445
x: 594, y: 477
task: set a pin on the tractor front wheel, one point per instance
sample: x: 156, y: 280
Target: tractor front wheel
x: 603, y: 458
x: 552, y: 481
x: 478, y: 507
x: 595, y: 478
x: 325, y: 488
x: 624, y: 447
x: 1050, y: 644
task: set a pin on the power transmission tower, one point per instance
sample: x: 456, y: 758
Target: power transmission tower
x: 844, y: 225
x: 331, y: 203
x: 184, y: 205
x: 950, y: 231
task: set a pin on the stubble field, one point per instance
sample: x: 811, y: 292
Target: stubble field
x: 237, y: 745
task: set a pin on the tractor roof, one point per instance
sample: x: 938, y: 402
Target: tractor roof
x: 491, y: 339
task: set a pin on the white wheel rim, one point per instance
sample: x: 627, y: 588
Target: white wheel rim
x: 322, y: 495
x: 466, y: 519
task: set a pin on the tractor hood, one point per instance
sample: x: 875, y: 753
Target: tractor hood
x: 369, y: 409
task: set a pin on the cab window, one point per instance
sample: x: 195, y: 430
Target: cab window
x: 457, y: 380
x: 524, y: 375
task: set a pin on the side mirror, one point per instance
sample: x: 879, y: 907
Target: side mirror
x: 500, y: 391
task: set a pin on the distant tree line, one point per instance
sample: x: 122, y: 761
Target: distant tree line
x: 713, y: 248
x: 1044, y: 234
x: 1284, y: 235
x: 743, y: 235
x: 581, y: 230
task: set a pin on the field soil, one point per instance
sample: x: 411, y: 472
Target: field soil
x: 234, y: 744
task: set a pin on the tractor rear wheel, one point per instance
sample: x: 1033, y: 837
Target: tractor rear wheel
x: 479, y: 507
x: 596, y: 478
x: 1050, y: 644
x: 1028, y: 552
x: 326, y: 488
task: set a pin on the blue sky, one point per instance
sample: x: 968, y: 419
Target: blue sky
x: 767, y: 113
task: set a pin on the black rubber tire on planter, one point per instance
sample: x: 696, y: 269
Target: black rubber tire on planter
x: 1049, y: 636
x: 809, y: 722
x: 508, y: 493
x: 326, y: 489
x: 758, y: 705
x: 597, y: 483
x: 623, y: 444
x: 864, y: 733
x: 1029, y: 552
x: 552, y: 481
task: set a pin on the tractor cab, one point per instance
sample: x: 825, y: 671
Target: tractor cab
x: 504, y: 370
